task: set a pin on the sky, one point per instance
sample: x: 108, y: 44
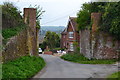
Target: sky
x: 57, y: 12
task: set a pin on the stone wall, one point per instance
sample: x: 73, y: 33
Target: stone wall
x: 97, y: 44
x: 15, y: 47
x: 25, y: 43
x: 105, y: 47
x: 85, y: 46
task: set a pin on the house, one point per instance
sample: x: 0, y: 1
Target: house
x: 70, y: 35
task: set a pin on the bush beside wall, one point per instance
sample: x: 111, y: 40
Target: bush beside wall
x: 16, y: 47
x: 23, y: 67
x: 79, y: 58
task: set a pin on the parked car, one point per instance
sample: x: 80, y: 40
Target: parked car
x: 59, y: 52
x: 40, y: 51
x: 64, y: 52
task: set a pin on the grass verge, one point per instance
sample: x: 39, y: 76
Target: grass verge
x: 23, y: 67
x: 79, y: 58
x: 114, y: 75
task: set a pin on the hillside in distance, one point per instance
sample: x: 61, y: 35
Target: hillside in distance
x: 57, y: 29
x: 44, y: 29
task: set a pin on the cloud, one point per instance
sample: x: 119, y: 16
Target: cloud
x: 57, y: 11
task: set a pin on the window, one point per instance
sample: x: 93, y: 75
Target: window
x: 64, y: 36
x: 71, y: 47
x: 70, y: 34
x: 64, y: 43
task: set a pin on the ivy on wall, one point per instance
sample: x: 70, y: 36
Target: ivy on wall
x: 110, y: 16
x: 111, y: 19
x: 12, y: 21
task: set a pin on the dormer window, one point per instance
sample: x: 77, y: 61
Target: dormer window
x: 70, y: 34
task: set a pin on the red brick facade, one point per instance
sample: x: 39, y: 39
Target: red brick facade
x: 70, y: 35
x: 48, y: 52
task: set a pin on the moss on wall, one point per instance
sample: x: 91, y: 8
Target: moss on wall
x: 25, y: 42
x: 15, y: 47
x: 98, y: 44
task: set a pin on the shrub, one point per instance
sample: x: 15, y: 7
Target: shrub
x: 114, y: 75
x: 10, y: 16
x: 9, y: 32
x: 73, y: 57
x: 110, y: 17
x: 23, y: 67
x: 57, y: 48
x: 79, y: 58
x: 54, y: 51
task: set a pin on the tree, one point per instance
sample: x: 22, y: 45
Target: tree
x: 84, y: 15
x: 83, y: 19
x: 39, y: 13
x: 52, y: 40
x: 110, y: 16
x: 111, y: 19
x: 10, y: 16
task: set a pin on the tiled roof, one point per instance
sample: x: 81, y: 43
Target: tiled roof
x: 74, y: 22
x: 65, y: 30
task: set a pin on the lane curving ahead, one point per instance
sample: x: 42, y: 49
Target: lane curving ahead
x: 58, y: 68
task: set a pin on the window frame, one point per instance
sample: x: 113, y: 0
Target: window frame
x: 71, y: 34
x: 71, y: 47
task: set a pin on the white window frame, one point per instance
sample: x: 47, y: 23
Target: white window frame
x: 71, y: 47
x: 64, y: 43
x: 64, y: 36
x: 71, y: 34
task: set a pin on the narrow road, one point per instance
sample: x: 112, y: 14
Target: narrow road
x: 58, y: 68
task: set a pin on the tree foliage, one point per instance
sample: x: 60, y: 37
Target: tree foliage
x: 84, y: 15
x: 39, y: 12
x: 111, y: 19
x: 52, y: 40
x: 110, y: 16
x: 83, y: 19
x: 12, y: 21
x: 10, y: 16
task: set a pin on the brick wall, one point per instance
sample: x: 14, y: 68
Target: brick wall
x: 63, y: 42
x: 66, y: 41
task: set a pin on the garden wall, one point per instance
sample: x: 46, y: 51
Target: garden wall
x: 85, y: 43
x: 15, y: 47
x: 104, y: 46
x: 97, y: 44
x: 25, y: 43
